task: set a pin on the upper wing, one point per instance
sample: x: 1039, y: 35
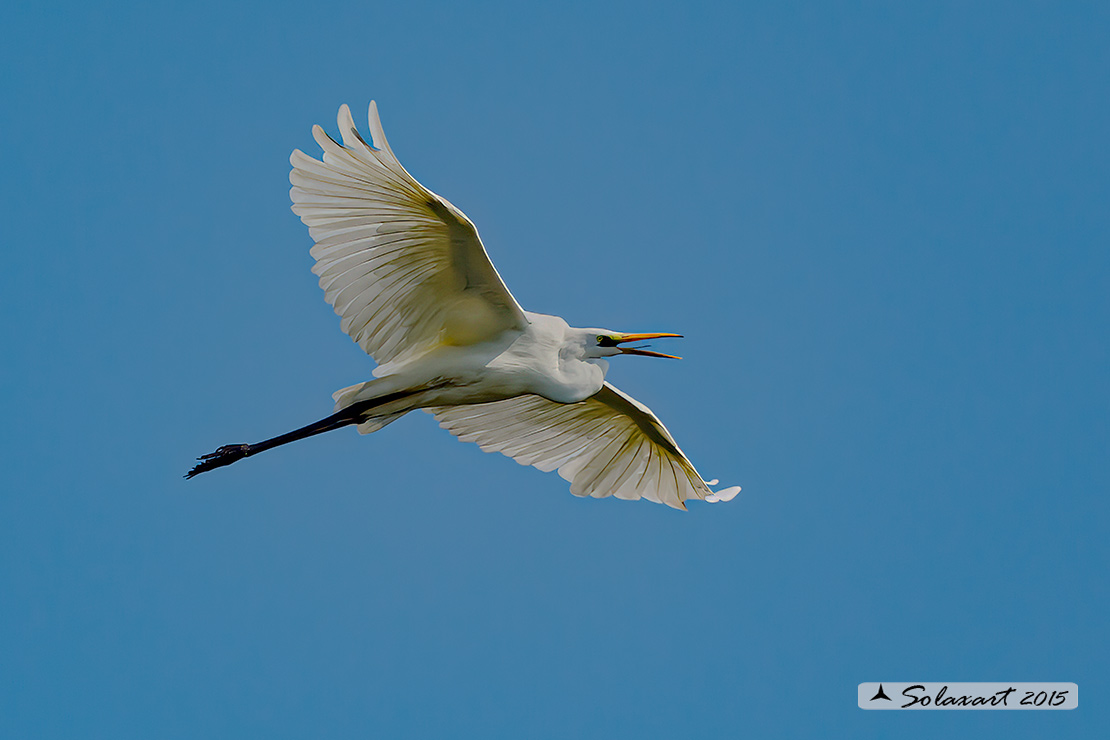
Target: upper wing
x: 608, y: 445
x: 404, y: 268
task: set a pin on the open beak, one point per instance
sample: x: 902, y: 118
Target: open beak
x: 646, y: 353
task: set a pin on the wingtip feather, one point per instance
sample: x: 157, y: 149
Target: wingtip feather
x: 725, y: 494
x: 377, y: 133
x: 322, y: 138
x: 348, y: 130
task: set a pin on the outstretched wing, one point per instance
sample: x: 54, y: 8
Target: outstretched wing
x: 403, y: 267
x: 608, y: 445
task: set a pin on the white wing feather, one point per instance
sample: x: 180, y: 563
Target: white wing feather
x: 608, y: 445
x: 403, y: 268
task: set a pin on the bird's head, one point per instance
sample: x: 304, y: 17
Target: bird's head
x: 605, y: 343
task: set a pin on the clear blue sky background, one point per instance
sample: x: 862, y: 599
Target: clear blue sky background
x: 884, y: 232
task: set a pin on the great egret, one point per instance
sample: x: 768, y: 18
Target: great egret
x: 416, y: 290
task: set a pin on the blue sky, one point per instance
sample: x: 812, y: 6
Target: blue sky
x: 883, y: 231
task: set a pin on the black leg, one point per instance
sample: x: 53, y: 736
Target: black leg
x: 353, y: 414
x: 223, y: 456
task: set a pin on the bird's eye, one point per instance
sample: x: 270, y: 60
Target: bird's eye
x: 600, y: 338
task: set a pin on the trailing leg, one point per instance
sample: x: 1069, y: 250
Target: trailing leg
x: 353, y: 414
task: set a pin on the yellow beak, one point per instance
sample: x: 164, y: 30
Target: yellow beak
x: 646, y: 353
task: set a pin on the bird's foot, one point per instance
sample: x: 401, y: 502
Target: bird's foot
x: 221, y: 457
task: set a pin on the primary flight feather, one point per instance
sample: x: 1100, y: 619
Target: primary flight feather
x: 413, y: 285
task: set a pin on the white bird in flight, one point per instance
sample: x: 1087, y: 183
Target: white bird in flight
x: 408, y: 275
